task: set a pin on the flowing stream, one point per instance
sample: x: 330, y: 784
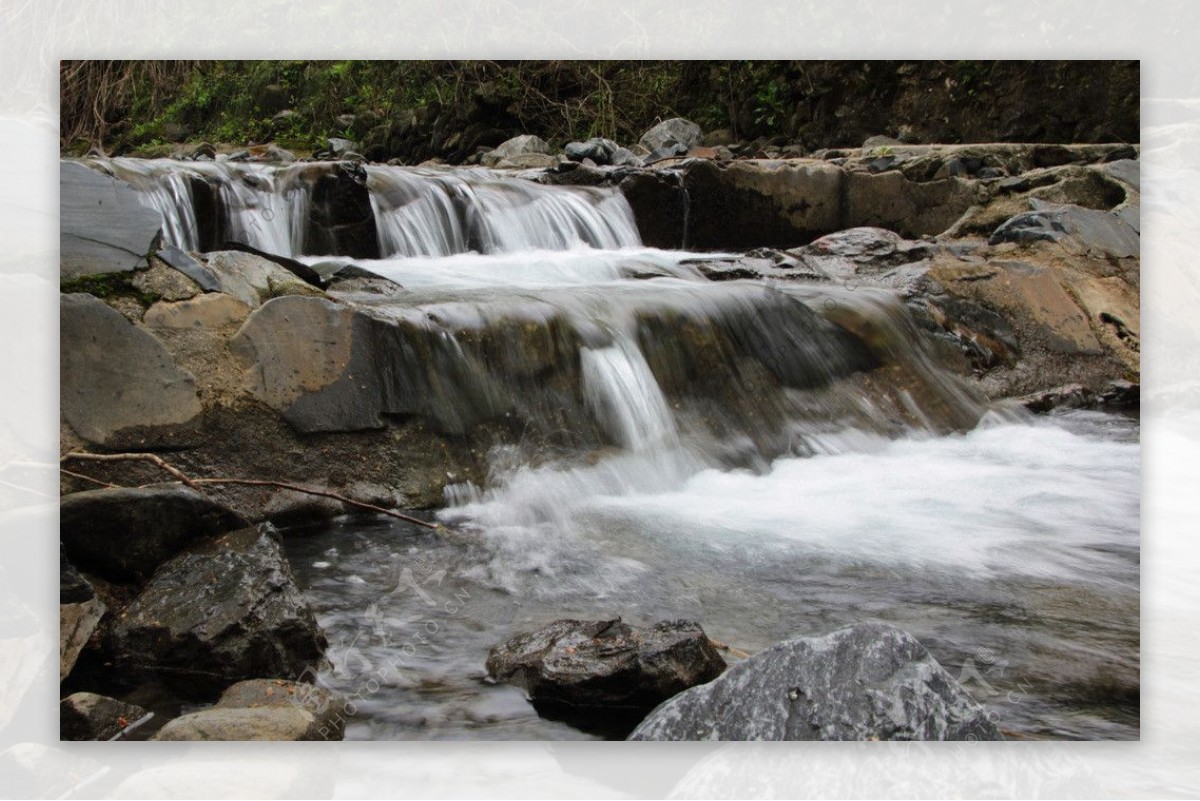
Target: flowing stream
x: 769, y: 459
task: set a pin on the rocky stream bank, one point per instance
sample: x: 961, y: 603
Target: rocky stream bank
x: 1012, y: 269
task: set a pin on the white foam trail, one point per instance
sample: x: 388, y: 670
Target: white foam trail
x: 1005, y: 501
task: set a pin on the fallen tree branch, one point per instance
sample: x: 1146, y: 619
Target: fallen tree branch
x: 131, y: 457
x: 195, y: 483
x: 81, y: 476
x: 257, y: 482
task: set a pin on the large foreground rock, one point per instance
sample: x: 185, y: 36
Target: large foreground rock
x: 125, y: 534
x: 120, y: 388
x: 103, y: 228
x: 220, y: 612
x: 863, y: 682
x: 87, y: 716
x: 264, y: 709
x: 606, y: 664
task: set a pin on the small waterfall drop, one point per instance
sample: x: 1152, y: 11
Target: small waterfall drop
x: 434, y: 213
x: 622, y: 392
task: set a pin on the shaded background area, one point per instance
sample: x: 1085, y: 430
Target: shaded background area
x: 415, y: 110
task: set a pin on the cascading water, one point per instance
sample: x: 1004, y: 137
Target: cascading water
x: 439, y: 213
x: 263, y: 206
x: 772, y: 460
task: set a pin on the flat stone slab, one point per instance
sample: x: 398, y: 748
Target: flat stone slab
x: 103, y: 227
x: 212, y: 311
x: 119, y: 386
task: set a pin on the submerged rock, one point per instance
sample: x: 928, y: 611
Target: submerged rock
x: 222, y: 611
x: 125, y: 534
x: 264, y: 709
x: 87, y: 716
x: 864, y: 682
x: 577, y: 667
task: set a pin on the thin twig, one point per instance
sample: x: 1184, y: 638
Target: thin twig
x: 73, y: 474
x: 257, y: 482
x: 131, y: 457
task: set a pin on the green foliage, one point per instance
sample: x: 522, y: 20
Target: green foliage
x: 109, y: 285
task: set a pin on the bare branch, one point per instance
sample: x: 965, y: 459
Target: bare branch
x: 131, y: 457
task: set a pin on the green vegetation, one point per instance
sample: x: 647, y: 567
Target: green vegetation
x: 415, y: 108
x: 109, y: 285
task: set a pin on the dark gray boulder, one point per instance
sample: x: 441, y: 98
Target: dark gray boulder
x: 587, y: 667
x: 675, y: 131
x: 103, y: 228
x: 863, y: 682
x: 598, y: 149
x: 265, y: 709
x: 187, y: 264
x: 1102, y: 233
x: 119, y: 385
x: 222, y: 611
x: 125, y: 534
x: 87, y: 716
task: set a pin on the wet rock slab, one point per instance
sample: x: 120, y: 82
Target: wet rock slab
x: 869, y: 681
x: 125, y: 534
x: 223, y: 611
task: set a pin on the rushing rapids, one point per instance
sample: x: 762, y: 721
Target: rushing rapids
x: 770, y: 458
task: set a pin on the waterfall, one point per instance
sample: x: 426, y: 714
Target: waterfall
x: 431, y: 213
x: 417, y: 211
x: 622, y: 392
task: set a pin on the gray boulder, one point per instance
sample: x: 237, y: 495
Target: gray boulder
x: 598, y: 149
x: 87, y: 716
x: 675, y: 131
x: 103, y: 227
x: 605, y: 664
x: 339, y: 147
x: 1103, y: 233
x: 222, y: 611
x: 523, y: 145
x: 253, y: 279
x: 265, y: 709
x: 119, y: 386
x: 623, y: 157
x: 863, y: 682
x: 125, y: 534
